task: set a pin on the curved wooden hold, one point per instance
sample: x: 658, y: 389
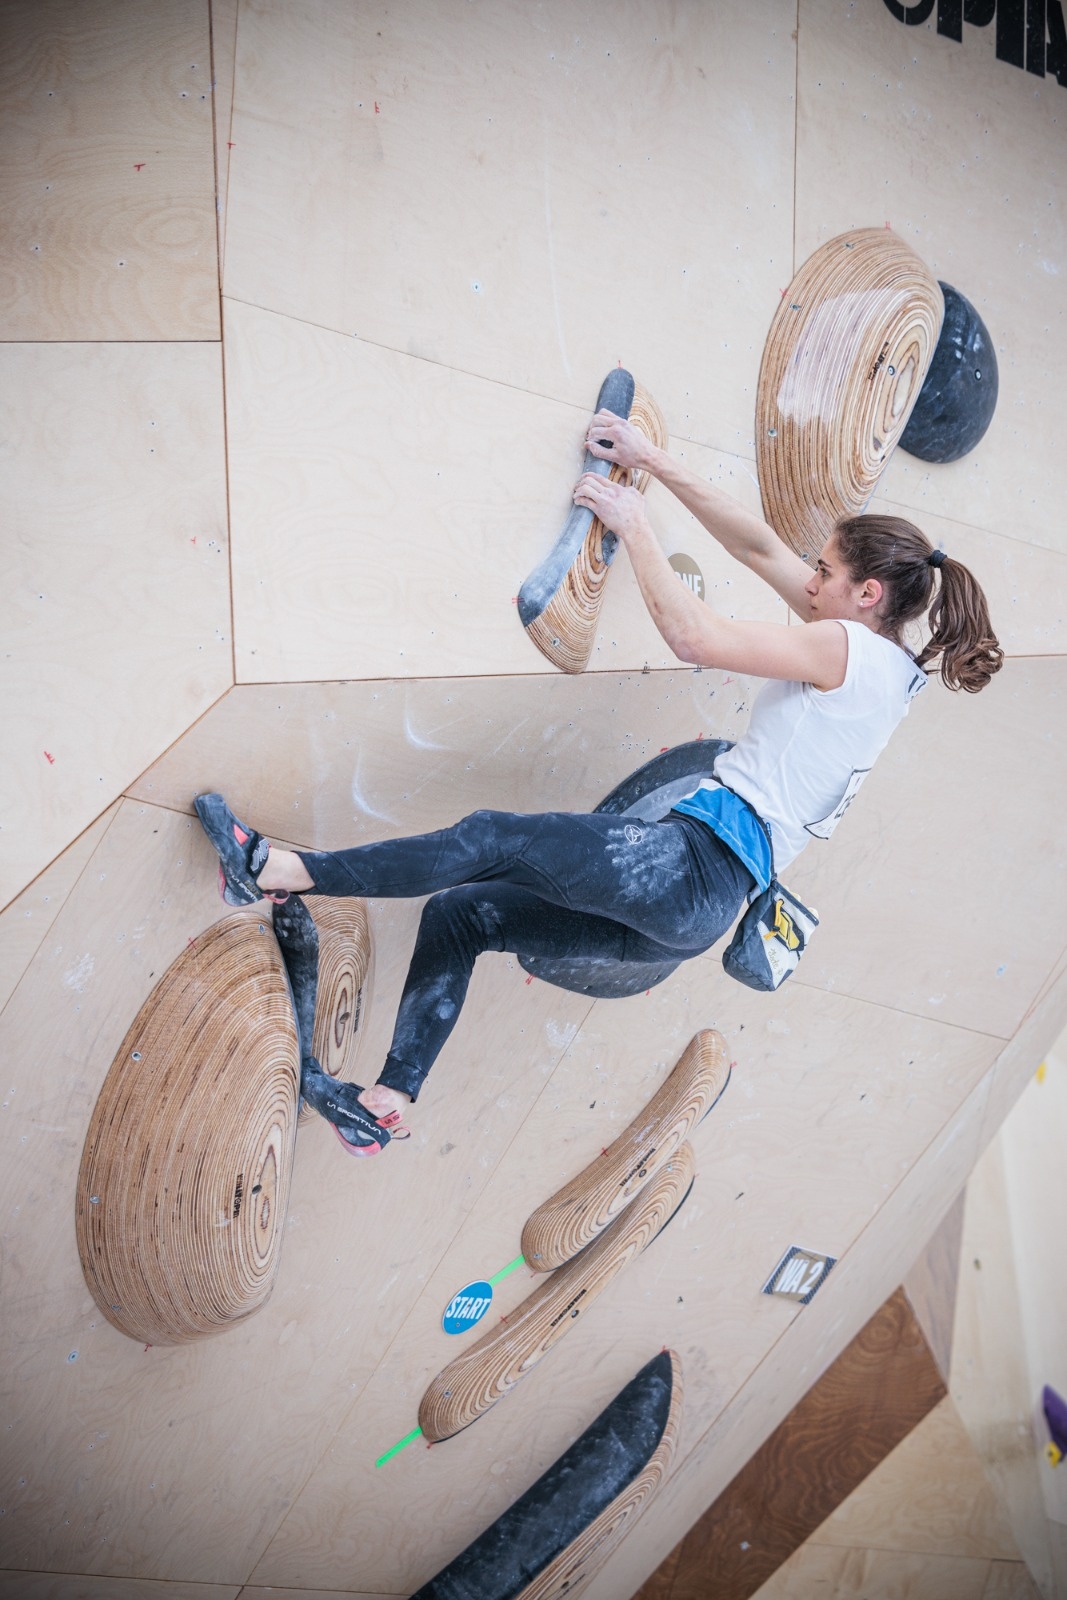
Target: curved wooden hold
x: 326, y: 950
x: 560, y: 602
x: 344, y: 966
x: 184, y: 1178
x: 553, y: 1539
x: 490, y: 1368
x: 584, y: 1207
x: 848, y: 349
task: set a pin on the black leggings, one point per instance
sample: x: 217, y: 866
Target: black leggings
x: 559, y: 884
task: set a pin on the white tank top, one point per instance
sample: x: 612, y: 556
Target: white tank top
x: 806, y: 751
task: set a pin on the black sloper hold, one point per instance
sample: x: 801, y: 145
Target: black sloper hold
x: 298, y: 940
x: 957, y: 401
x: 647, y: 794
x: 584, y: 1481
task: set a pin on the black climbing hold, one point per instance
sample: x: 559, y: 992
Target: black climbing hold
x: 648, y: 794
x: 617, y: 395
x: 554, y: 1511
x: 298, y: 940
x: 957, y: 401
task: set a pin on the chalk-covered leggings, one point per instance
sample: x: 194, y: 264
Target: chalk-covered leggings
x: 556, y: 884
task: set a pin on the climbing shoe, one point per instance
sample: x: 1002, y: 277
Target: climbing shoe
x: 241, y: 851
x: 359, y: 1130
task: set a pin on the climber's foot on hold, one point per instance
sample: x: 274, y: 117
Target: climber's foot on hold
x: 242, y: 853
x: 363, y: 1128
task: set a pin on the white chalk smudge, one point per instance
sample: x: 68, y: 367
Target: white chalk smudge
x: 560, y: 1034
x: 79, y: 974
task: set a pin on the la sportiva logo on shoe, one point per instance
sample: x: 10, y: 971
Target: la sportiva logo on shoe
x: 1030, y: 33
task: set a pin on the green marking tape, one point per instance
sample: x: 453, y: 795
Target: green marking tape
x: 416, y: 1433
x: 512, y: 1266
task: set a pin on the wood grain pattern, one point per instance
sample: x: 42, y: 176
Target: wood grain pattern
x: 114, y: 465
x: 490, y: 1368
x: 579, y: 1211
x: 184, y: 1178
x: 566, y: 629
x: 573, y: 1568
x: 108, y: 189
x: 344, y: 982
x: 865, y: 1403
x: 932, y: 1283
x: 845, y: 358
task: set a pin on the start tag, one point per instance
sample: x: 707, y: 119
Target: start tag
x: 467, y: 1308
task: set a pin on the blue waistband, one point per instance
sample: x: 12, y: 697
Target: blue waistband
x: 736, y: 824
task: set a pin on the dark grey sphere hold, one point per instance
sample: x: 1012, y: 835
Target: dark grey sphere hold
x: 957, y: 401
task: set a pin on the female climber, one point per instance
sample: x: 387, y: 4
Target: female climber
x: 603, y: 888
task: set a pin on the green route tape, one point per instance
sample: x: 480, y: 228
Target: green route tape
x: 512, y: 1266
x: 416, y: 1433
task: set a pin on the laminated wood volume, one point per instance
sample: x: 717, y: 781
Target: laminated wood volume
x: 583, y: 1208
x: 848, y: 349
x: 566, y: 629
x: 185, y: 1174
x: 341, y: 999
x: 491, y: 1368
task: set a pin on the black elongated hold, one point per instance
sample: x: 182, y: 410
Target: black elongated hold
x: 647, y: 794
x: 958, y: 398
x: 298, y: 940
x: 582, y: 1483
x: 617, y: 395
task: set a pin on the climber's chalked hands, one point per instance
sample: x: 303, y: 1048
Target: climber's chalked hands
x: 610, y: 438
x: 619, y: 508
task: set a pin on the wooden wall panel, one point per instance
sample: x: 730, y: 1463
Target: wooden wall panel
x: 333, y: 765
x: 843, y: 1574
x: 930, y: 1496
x: 904, y: 886
x: 26, y: 921
x: 990, y: 1383
x: 223, y: 64
x: 748, y: 1413
x: 525, y: 195
x: 863, y: 1405
x: 115, y: 572
x: 963, y: 155
x: 386, y: 511
x: 108, y: 193
x: 932, y: 1283
x: 883, y: 934
x: 1031, y: 1141
x: 1043, y: 1025
x: 165, y: 1463
x: 68, y: 1586
x: 807, y: 1096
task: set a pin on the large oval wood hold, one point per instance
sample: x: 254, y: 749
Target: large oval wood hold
x: 489, y: 1369
x: 553, y: 1539
x: 185, y: 1174
x: 846, y: 356
x: 583, y: 1208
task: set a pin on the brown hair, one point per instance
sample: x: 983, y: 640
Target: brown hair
x: 898, y: 555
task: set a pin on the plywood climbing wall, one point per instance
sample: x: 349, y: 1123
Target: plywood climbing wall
x: 272, y: 485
